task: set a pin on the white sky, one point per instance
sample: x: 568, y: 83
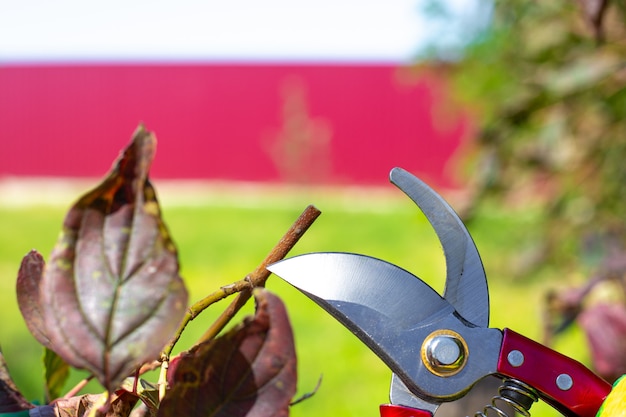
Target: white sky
x: 228, y: 30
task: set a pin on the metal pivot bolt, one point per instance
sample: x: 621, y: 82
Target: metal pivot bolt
x: 444, y: 352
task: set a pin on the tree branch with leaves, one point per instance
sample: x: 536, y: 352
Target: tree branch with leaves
x: 110, y: 300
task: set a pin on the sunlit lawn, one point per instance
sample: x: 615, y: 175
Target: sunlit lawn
x: 220, y: 240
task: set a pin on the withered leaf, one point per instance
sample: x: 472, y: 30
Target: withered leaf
x: 11, y: 399
x: 605, y: 327
x: 249, y: 371
x: 28, y: 295
x: 142, y: 411
x: 121, y: 405
x: 111, y: 296
x: 147, y: 392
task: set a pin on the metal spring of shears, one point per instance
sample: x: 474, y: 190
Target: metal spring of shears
x: 514, y: 393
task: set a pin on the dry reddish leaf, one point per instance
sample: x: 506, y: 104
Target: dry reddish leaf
x: 142, y: 411
x: 111, y: 296
x: 250, y: 371
x: 605, y: 327
x: 146, y: 392
x: 28, y: 295
x: 80, y: 406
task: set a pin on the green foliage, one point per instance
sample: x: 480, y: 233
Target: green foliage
x: 547, y: 86
x: 56, y: 374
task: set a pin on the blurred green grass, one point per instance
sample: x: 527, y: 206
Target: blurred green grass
x: 220, y: 240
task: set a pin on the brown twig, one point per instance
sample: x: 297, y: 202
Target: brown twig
x: 244, y: 287
x: 258, y: 277
x: 79, y: 386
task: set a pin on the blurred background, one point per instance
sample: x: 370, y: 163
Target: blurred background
x: 514, y: 111
x: 298, y: 91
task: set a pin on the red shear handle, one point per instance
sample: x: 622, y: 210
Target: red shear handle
x: 562, y: 382
x: 391, y: 410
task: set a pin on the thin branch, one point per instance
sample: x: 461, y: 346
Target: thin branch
x: 162, y: 382
x: 244, y: 286
x: 258, y: 277
x: 307, y: 395
x: 78, y: 387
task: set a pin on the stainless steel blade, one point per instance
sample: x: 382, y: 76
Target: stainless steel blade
x: 466, y: 283
x: 369, y: 294
x: 392, y: 312
x: 400, y: 394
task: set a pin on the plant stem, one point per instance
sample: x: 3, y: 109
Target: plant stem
x: 258, y: 277
x: 244, y: 286
x: 79, y: 386
x: 162, y: 382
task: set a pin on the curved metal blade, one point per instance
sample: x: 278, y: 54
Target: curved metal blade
x: 378, y: 301
x: 466, y: 283
x: 392, y: 312
x: 345, y: 283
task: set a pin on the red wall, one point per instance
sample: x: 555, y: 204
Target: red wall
x: 318, y: 123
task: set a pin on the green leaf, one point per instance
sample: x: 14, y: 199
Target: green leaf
x: 56, y: 373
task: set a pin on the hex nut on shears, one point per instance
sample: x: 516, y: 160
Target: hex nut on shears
x: 444, y: 352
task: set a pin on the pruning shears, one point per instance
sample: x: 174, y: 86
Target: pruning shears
x: 437, y: 346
